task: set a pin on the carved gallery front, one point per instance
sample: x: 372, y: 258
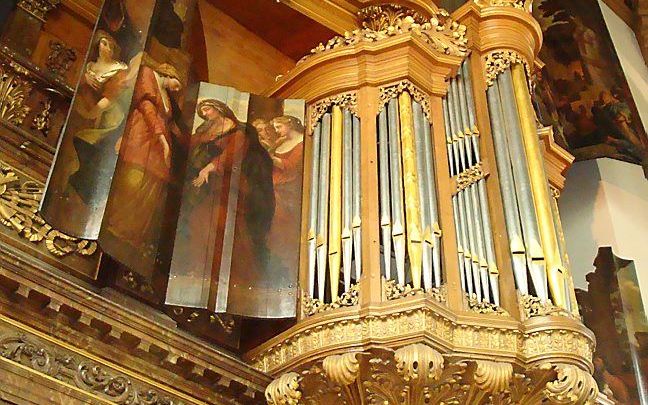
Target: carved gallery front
x: 284, y: 202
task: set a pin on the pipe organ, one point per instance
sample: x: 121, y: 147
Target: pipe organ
x: 429, y: 226
x: 334, y: 205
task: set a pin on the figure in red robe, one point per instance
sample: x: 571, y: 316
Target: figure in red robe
x: 135, y: 213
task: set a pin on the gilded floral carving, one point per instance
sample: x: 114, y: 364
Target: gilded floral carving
x: 19, y: 211
x: 497, y: 62
x: 38, y: 8
x: 312, y: 306
x: 519, y: 4
x: 394, y: 90
x: 321, y: 107
x: 14, y: 90
x: 440, y: 31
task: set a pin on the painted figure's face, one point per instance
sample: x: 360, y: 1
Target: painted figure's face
x: 262, y: 129
x: 281, y: 129
x: 209, y: 113
x: 105, y: 49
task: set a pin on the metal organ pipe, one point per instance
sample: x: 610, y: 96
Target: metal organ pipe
x: 313, y: 209
x: 396, y: 183
x: 323, y: 209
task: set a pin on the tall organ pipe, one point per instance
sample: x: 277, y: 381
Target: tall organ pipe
x: 313, y: 207
x: 412, y: 196
x: 397, y: 197
x: 383, y: 178
x: 347, y: 197
x: 535, y: 253
x: 335, y: 197
x: 507, y: 185
x: 323, y: 207
x: 432, y: 203
x: 554, y: 266
x: 427, y: 241
x: 356, y: 221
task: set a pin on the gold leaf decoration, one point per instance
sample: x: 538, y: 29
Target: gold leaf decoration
x: 19, y: 211
x: 14, y: 91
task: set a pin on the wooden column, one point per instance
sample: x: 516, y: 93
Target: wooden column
x: 370, y: 281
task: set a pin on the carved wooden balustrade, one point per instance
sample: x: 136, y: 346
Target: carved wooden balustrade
x: 432, y: 265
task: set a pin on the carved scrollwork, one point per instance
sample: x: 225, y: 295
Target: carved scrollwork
x: 14, y: 90
x: 38, y: 8
x: 573, y: 386
x: 284, y: 390
x: 381, y: 22
x: 342, y: 369
x: 321, y: 107
x: 525, y: 5
x: 497, y: 62
x: 19, y: 211
x: 470, y: 176
x: 483, y: 307
x: 533, y: 306
x: 393, y: 291
x: 312, y: 306
x: 492, y: 376
x: 393, y: 90
x: 419, y: 362
x: 85, y: 375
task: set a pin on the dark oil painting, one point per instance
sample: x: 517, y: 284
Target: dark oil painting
x: 237, y: 239
x: 582, y: 90
x: 613, y: 309
x: 136, y: 64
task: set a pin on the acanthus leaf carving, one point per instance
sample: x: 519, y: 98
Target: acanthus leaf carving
x: 525, y: 5
x: 342, y: 369
x: 14, y: 91
x: 497, y: 62
x: 394, y: 90
x: 440, y: 31
x: 284, y: 390
x: 345, y: 100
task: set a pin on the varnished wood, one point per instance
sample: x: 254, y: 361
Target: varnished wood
x: 370, y: 282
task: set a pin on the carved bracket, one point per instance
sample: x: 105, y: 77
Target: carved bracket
x: 418, y: 374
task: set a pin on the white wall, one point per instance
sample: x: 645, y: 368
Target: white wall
x: 605, y: 203
x: 632, y: 60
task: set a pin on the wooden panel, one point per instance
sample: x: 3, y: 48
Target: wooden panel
x: 237, y: 57
x: 284, y: 28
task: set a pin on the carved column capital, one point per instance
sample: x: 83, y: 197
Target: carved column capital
x: 419, y: 363
x: 38, y: 8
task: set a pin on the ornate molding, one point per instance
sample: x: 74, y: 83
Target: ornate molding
x: 15, y: 88
x: 394, y: 90
x: 345, y: 100
x: 497, y: 62
x: 427, y: 321
x: 440, y: 31
x: 483, y: 307
x: 312, y: 306
x: 41, y: 121
x: 284, y: 390
x: 38, y: 8
x: 532, y: 306
x: 418, y: 374
x: 525, y: 5
x: 470, y: 176
x: 394, y: 291
x: 19, y: 211
x: 81, y: 373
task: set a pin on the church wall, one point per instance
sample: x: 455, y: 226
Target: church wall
x: 605, y: 203
x: 236, y: 57
x: 631, y: 59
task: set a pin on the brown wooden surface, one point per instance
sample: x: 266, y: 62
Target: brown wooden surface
x: 237, y: 57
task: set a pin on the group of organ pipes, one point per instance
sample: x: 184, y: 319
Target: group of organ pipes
x: 334, y: 215
x: 410, y: 225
